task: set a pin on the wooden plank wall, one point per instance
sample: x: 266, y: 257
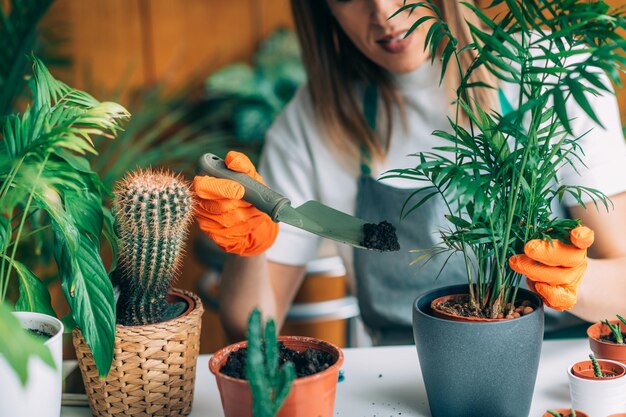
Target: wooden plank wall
x: 128, y: 44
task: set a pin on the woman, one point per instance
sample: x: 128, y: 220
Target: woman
x: 328, y: 147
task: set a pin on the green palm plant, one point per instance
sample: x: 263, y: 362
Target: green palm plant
x: 47, y: 188
x: 496, y: 171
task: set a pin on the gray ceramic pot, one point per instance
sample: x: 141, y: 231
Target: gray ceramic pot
x: 478, y: 369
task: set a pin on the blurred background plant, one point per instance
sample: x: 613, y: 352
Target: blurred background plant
x: 249, y: 97
x: 19, y: 37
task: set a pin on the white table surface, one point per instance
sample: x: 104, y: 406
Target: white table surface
x: 386, y: 381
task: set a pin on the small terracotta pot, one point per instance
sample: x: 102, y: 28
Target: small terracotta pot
x: 447, y: 316
x: 606, y: 350
x: 566, y: 412
x: 584, y: 370
x: 598, y: 396
x: 618, y: 415
x: 310, y: 396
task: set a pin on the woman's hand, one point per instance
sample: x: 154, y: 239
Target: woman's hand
x: 554, y: 269
x: 235, y: 225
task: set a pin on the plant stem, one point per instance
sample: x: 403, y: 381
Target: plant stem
x: 4, y: 277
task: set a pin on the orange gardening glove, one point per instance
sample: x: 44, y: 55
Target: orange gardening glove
x: 555, y: 269
x: 235, y: 225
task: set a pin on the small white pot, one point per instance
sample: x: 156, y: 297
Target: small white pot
x: 598, y: 397
x: 41, y: 397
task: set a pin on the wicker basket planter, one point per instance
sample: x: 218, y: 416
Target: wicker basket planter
x: 154, y: 367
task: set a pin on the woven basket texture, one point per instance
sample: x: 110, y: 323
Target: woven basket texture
x: 153, y: 370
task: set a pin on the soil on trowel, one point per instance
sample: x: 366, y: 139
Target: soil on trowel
x: 381, y: 237
x: 460, y: 306
x: 307, y: 363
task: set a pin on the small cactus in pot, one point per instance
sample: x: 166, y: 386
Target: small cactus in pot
x: 153, y: 211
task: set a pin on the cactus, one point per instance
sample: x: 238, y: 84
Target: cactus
x: 153, y: 211
x: 596, y: 366
x: 269, y: 383
x: 616, y: 330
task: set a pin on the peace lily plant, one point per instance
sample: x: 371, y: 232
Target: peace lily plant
x: 497, y: 168
x: 48, y: 191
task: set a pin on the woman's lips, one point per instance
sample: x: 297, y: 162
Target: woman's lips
x: 395, y: 43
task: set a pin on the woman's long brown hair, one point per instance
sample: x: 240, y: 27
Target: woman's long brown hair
x: 334, y: 64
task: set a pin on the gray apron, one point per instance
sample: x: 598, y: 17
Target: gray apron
x: 386, y: 283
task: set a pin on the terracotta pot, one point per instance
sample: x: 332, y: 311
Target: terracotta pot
x: 566, y: 412
x: 618, y: 415
x: 448, y: 316
x: 598, y: 396
x: 153, y: 369
x: 310, y: 396
x: 606, y: 350
x: 584, y: 370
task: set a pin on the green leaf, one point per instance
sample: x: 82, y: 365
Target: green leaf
x: 18, y: 346
x: 86, y: 210
x: 34, y: 295
x: 5, y: 233
x: 560, y: 109
x: 578, y: 92
x: 89, y: 293
x: 457, y: 221
x: 236, y: 79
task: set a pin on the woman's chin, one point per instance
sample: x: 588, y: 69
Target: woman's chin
x: 405, y: 67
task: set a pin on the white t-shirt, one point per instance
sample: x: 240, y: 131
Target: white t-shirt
x: 298, y: 163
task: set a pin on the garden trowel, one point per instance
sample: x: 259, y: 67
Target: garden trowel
x: 311, y: 216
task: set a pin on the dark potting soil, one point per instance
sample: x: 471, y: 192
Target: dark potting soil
x: 307, y: 363
x: 39, y: 333
x: 460, y: 306
x: 381, y: 237
x: 610, y: 338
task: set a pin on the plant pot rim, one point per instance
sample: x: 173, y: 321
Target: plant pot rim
x: 214, y: 363
x: 576, y: 374
x: 448, y: 316
x: 565, y: 410
x: 426, y: 298
x: 43, y: 318
x: 174, y: 293
x: 599, y: 326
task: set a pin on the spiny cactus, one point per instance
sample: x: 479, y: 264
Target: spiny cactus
x: 269, y: 383
x: 153, y: 213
